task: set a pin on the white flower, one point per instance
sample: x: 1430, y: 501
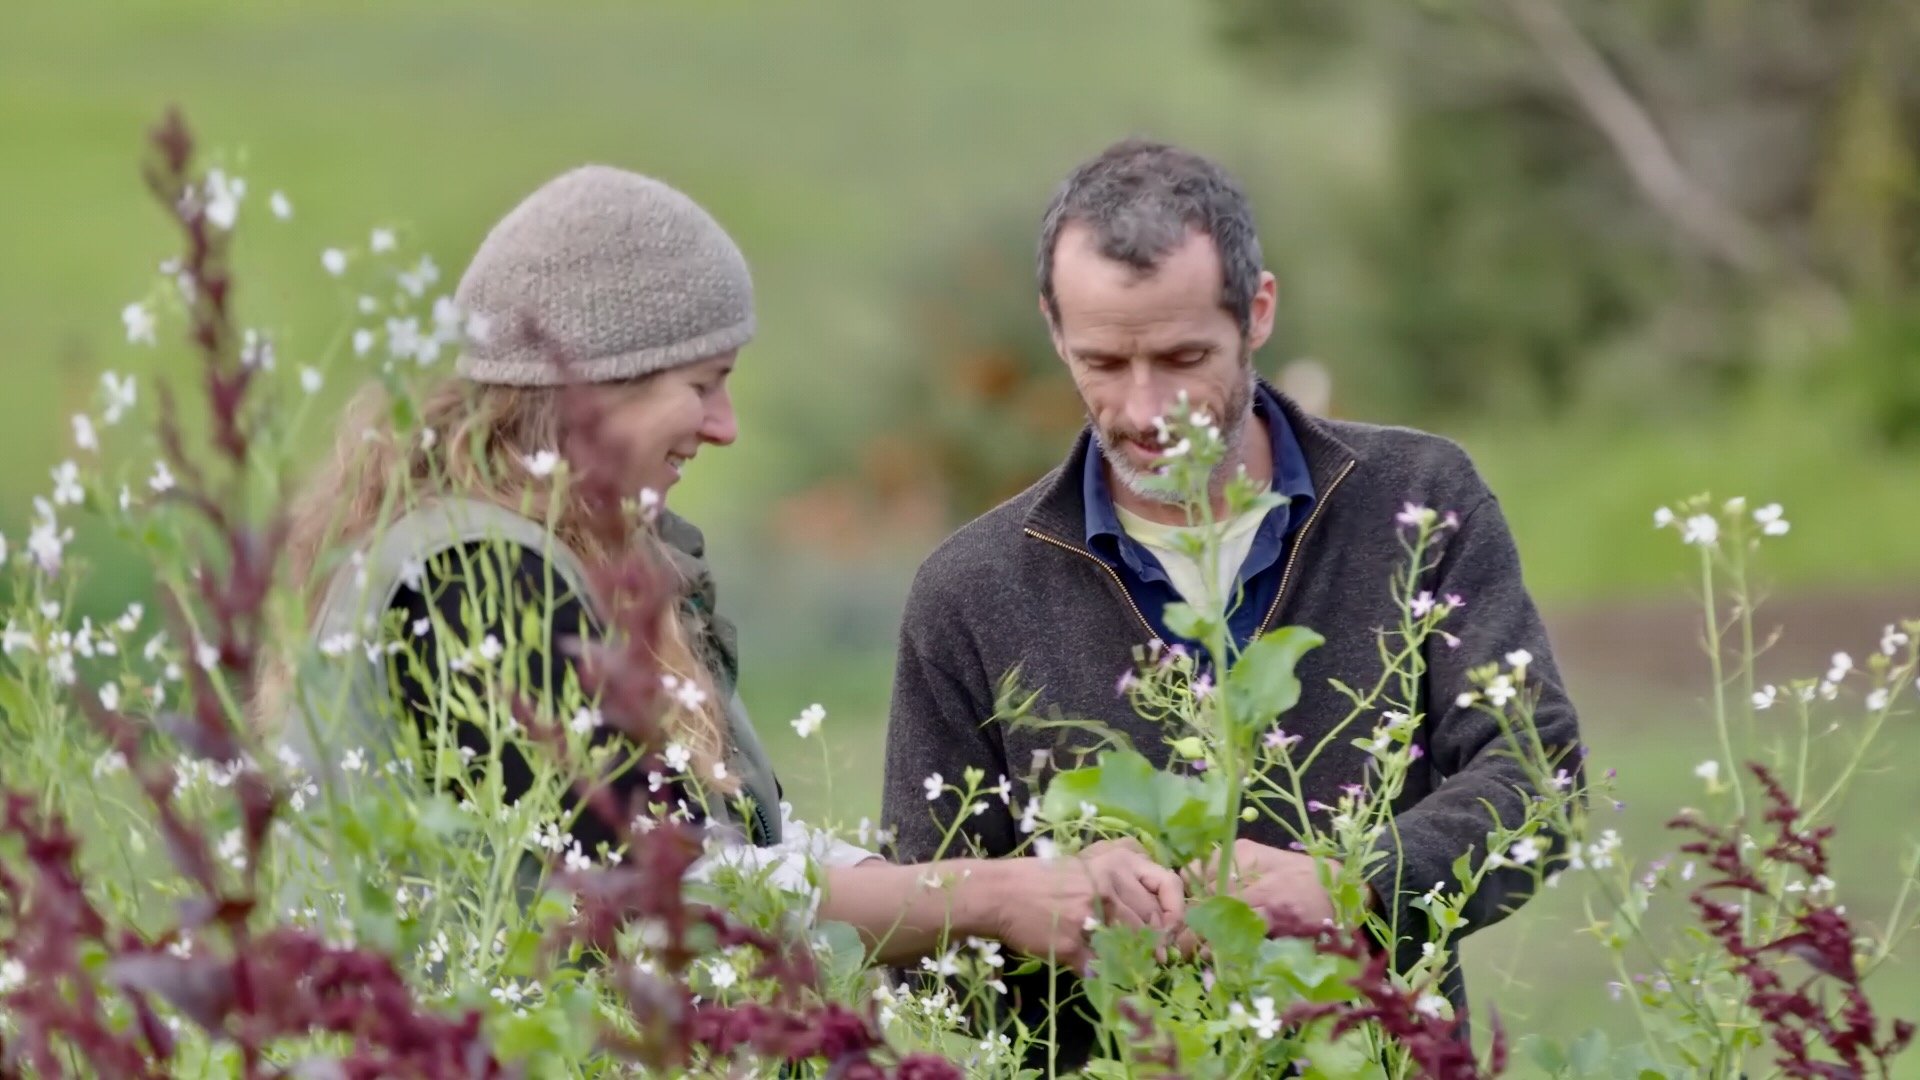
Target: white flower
x: 14, y: 638
x: 1264, y: 1022
x: 310, y: 380
x: 403, y: 337
x: 107, y: 764
x: 381, y: 240
x: 363, y: 340
x: 110, y: 697
x: 1708, y: 771
x: 47, y: 541
x: 809, y: 721
x: 721, y: 973
x: 1702, y: 530
x: 1466, y: 699
x: 1420, y: 605
x: 120, y: 396
x: 334, y: 261
x: 934, y: 785
x: 232, y: 847
x: 162, y: 478
x: 1045, y: 849
x: 577, y: 860
x: 542, y: 463
x: 1769, y: 519
x: 353, y: 760
x: 586, y: 720
x: 417, y: 281
x: 1524, y: 850
x: 719, y: 770
x: 490, y: 649
x: 446, y: 319
x: 140, y: 324
x: 689, y: 695
x: 1432, y: 1006
x: 13, y: 975
x: 66, y: 485
x: 508, y: 993
x: 1841, y: 665
x: 1500, y: 691
x: 1877, y: 700
x: 678, y: 757
x: 427, y: 351
x: 1519, y: 658
x: 83, y: 433
x: 1764, y: 697
x: 206, y: 655
x: 1891, y: 640
x: 223, y: 198
x: 1662, y: 518
x: 947, y: 963
x: 1414, y: 515
x: 279, y: 204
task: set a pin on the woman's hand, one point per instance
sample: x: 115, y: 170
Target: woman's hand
x: 1047, y: 907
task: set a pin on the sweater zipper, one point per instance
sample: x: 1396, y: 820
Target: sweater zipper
x: 1286, y: 575
x: 1102, y: 564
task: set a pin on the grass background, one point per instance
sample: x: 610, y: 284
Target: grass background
x: 844, y: 142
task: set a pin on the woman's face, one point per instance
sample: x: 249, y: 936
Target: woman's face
x: 662, y: 421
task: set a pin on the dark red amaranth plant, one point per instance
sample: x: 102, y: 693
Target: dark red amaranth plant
x: 1796, y: 1017
x: 1437, y: 1046
x: 244, y: 985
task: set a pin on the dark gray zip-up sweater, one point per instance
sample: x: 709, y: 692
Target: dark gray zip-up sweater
x: 1016, y: 588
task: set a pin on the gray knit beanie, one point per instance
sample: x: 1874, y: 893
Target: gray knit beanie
x: 627, y: 275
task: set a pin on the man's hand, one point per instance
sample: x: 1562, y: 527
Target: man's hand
x: 1273, y: 882
x: 1047, y: 907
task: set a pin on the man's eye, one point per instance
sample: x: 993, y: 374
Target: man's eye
x: 1191, y: 357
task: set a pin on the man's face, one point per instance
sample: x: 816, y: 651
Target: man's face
x: 1133, y: 342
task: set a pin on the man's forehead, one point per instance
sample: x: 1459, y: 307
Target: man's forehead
x: 1188, y: 276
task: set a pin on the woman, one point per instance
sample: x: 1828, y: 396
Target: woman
x: 648, y: 301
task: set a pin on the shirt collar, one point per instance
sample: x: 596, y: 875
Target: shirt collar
x: 1291, y: 476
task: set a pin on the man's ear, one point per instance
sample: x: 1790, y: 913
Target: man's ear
x: 1260, y: 313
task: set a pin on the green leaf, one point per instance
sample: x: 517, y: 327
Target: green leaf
x: 1125, y: 955
x: 846, y: 953
x: 1545, y: 1053
x: 442, y: 819
x: 1314, y: 975
x: 1589, y: 1054
x: 1262, y: 684
x: 1185, y: 620
x: 1230, y: 927
x: 14, y: 700
x: 1345, y: 1058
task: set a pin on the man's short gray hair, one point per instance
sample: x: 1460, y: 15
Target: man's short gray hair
x: 1141, y: 198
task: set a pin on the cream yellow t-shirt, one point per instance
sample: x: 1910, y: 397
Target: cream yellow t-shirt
x: 1169, y: 544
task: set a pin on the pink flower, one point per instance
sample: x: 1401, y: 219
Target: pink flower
x: 1420, y: 605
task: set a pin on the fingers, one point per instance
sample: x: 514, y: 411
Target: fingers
x: 1127, y: 901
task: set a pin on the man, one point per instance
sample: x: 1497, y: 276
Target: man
x: 1152, y: 285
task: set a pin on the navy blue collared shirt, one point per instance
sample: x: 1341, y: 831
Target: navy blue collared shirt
x: 1259, y: 578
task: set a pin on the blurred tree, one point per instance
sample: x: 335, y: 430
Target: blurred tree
x: 1584, y: 179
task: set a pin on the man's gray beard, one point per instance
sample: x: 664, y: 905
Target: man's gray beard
x: 1233, y: 432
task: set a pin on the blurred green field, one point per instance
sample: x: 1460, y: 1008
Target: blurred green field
x: 842, y: 141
